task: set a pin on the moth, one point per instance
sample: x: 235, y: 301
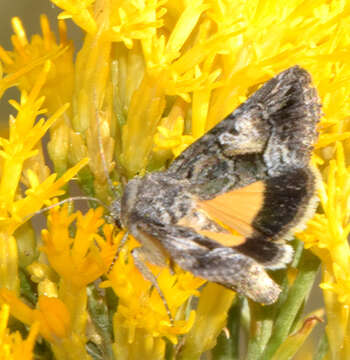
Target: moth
x: 225, y: 207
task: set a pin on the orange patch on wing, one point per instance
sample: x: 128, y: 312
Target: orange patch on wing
x: 237, y: 208
x: 225, y: 239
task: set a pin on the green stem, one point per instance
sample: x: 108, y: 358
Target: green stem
x: 297, y: 294
x: 213, y: 306
x: 322, y: 348
x: 99, y: 315
x: 262, y: 318
x: 227, y: 347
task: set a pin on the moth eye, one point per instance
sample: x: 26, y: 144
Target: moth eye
x: 117, y: 223
x: 226, y: 138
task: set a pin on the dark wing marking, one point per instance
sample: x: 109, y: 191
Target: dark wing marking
x: 222, y: 265
x: 272, y: 131
x: 289, y: 201
x: 266, y: 212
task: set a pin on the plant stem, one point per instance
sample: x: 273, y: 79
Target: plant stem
x: 297, y: 294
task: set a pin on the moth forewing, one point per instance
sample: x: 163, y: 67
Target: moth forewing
x: 250, y: 173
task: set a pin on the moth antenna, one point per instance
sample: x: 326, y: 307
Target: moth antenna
x: 74, y: 198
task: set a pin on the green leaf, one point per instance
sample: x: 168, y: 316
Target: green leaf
x: 227, y: 347
x: 211, y: 315
x: 263, y: 317
x: 322, y: 347
x: 27, y: 287
x: 294, y: 342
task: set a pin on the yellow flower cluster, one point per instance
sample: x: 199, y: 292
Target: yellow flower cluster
x: 151, y: 77
x: 327, y: 235
x: 12, y: 346
x: 141, y: 308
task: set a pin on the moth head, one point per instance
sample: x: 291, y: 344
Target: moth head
x: 128, y: 201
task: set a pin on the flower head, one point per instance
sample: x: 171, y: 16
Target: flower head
x: 80, y: 259
x: 140, y: 305
x: 24, y: 64
x: 12, y: 346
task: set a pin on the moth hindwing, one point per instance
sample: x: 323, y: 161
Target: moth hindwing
x: 226, y: 205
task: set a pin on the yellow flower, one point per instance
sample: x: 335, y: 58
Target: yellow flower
x: 22, y: 163
x: 327, y: 235
x: 24, y: 65
x: 140, y: 307
x: 83, y: 258
x: 12, y: 346
x: 55, y: 324
x: 172, y: 139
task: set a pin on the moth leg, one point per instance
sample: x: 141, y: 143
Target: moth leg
x: 139, y: 261
x: 120, y: 246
